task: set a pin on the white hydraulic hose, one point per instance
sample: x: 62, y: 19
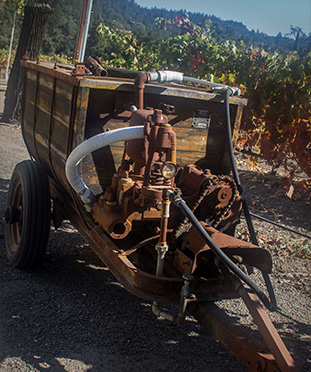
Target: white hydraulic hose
x: 92, y: 144
x: 178, y: 77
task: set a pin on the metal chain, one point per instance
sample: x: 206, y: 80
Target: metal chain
x: 226, y: 210
x: 185, y: 225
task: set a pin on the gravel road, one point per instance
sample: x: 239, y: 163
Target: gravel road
x: 72, y: 315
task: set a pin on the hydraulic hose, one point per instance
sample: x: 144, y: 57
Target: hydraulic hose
x: 281, y: 226
x: 90, y: 145
x: 181, y: 204
x: 236, y: 178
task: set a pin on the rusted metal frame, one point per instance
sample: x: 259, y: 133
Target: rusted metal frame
x: 123, y: 270
x: 35, y: 118
x: 236, y: 338
x: 277, y: 351
x: 48, y: 69
x: 141, y: 284
x: 268, y: 332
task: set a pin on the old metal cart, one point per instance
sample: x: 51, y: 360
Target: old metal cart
x: 140, y: 164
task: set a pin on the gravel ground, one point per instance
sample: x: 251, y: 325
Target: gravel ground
x: 72, y: 315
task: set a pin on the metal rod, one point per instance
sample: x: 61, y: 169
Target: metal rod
x: 83, y: 31
x: 10, y: 49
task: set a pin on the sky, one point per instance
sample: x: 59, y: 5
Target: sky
x: 269, y: 16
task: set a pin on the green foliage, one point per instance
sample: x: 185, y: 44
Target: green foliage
x: 128, y: 16
x: 6, y: 21
x: 62, y: 29
x: 56, y: 58
x: 19, y: 5
x: 4, y: 54
x: 277, y: 118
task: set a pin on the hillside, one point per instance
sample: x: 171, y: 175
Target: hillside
x: 127, y: 15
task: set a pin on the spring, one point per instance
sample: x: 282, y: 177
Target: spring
x: 156, y: 178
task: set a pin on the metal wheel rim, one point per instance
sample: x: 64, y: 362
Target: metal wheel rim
x: 16, y: 227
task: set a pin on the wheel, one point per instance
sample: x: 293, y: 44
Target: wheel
x: 27, y: 215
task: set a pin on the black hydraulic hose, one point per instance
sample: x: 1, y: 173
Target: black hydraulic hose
x: 246, y: 211
x: 181, y: 204
x: 280, y: 225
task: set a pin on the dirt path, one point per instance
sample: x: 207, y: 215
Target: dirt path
x: 73, y: 316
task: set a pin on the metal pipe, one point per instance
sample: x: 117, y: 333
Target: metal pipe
x: 172, y: 76
x: 164, y: 314
x: 139, y: 84
x: 85, y: 30
x: 77, y: 51
x: 162, y: 248
x: 234, y: 91
x: 185, y: 298
x: 10, y: 49
x: 178, y: 77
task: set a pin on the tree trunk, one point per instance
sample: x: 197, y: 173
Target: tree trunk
x: 36, y: 18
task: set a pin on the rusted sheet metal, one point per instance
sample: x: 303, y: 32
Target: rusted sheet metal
x: 250, y: 254
x: 268, y: 332
x: 250, y: 351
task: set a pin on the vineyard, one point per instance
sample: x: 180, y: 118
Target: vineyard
x: 276, y: 122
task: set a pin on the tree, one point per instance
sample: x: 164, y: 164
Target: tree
x: 36, y: 17
x: 296, y: 33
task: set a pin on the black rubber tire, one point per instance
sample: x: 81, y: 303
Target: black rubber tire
x: 28, y: 215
